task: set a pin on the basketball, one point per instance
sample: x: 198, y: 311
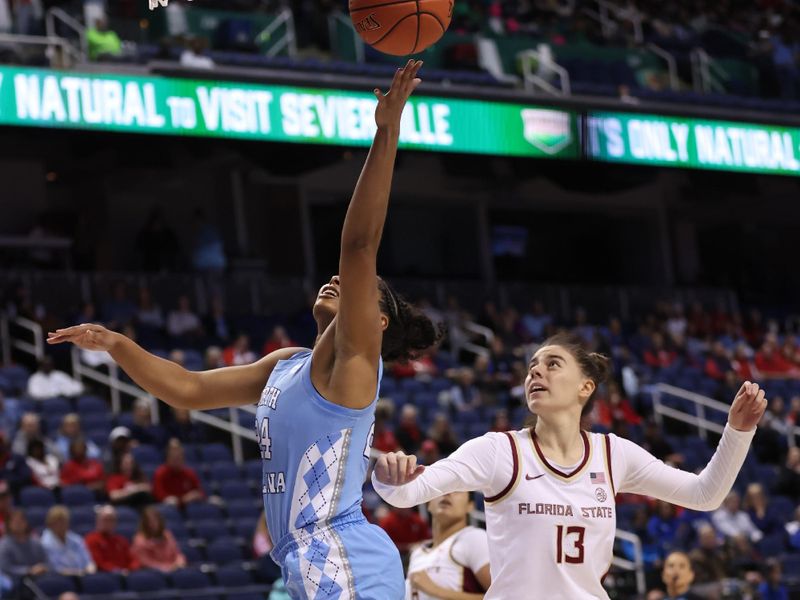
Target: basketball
x: 403, y: 26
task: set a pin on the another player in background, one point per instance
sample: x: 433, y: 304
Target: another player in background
x: 550, y: 489
x: 454, y: 565
x: 315, y: 416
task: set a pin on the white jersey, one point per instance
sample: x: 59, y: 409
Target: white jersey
x: 551, y: 530
x: 452, y: 564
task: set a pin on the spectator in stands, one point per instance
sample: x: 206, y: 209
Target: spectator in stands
x: 428, y: 453
x: 772, y: 588
x: 717, y: 362
x: 6, y: 506
x: 788, y: 482
x: 20, y: 553
x: 9, y: 415
x: 239, y: 353
x: 662, y: 527
x: 422, y: 368
x: 143, y: 430
x: 148, y: 313
x: 746, y: 561
x: 730, y: 520
x: 213, y: 358
x: 193, y: 56
x: 383, y: 439
x: 154, y: 546
x: 464, y: 395
x: 110, y: 551
x: 405, y: 527
x: 279, y: 338
x: 120, y: 442
x: 67, y: 553
x: 69, y: 431
x: 102, y: 42
x: 182, y: 322
x: 658, y: 355
x: 442, y: 433
x: 500, y: 421
x: 217, y: 324
x: 793, y: 529
x: 82, y: 470
x: 728, y: 387
x: 174, y: 482
x: 771, y: 362
x: 678, y: 576
x: 709, y: 558
x: 47, y: 382
x: 744, y: 365
x: 756, y: 504
x: 127, y: 484
x: 43, y: 465
x: 535, y: 322
x: 30, y: 428
x: 408, y: 433
x: 659, y: 447
x: 612, y: 408
x: 181, y: 427
x: 119, y: 311
x: 13, y: 468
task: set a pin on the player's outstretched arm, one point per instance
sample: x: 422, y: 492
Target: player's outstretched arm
x: 358, y: 336
x: 644, y: 474
x: 170, y: 382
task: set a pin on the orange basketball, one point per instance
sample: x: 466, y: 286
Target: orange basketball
x: 401, y: 27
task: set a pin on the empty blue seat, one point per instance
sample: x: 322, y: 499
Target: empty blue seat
x: 215, y: 453
x: 146, y: 454
x: 97, y: 421
x: 127, y: 530
x: 223, y: 551
x: 773, y: 545
x: 77, y: 495
x: 36, y: 516
x: 125, y: 514
x: 193, y: 554
x: 54, y: 585
x: 190, y: 579
x: 146, y: 581
x: 250, y: 508
x: 210, y: 530
x: 782, y: 507
x: 225, y: 471
x: 253, y: 470
x: 245, y: 528
x: 56, y: 406
x: 412, y: 385
x: 100, y: 583
x: 233, y: 490
x: 91, y: 404
x: 233, y: 576
x: 33, y: 496
x: 203, y: 511
x: 82, y: 514
x: 170, y: 512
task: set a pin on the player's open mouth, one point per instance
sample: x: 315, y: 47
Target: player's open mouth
x: 329, y: 291
x: 536, y: 387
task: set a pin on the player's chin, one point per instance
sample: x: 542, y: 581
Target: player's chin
x: 326, y: 305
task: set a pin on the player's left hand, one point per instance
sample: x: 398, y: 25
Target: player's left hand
x: 390, y: 105
x: 748, y: 407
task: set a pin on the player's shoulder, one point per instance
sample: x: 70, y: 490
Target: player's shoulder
x: 471, y: 534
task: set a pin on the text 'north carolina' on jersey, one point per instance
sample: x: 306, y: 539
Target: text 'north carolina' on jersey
x: 571, y: 517
x: 315, y: 453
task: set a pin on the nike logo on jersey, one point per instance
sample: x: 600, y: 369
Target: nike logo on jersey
x: 529, y: 478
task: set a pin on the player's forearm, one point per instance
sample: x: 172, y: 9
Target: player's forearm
x: 366, y: 214
x: 162, y: 378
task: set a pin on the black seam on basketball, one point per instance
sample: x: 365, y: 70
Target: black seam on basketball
x: 379, y: 5
x: 383, y: 37
x: 438, y: 20
x: 416, y: 41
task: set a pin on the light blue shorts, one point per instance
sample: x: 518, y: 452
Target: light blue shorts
x: 349, y: 559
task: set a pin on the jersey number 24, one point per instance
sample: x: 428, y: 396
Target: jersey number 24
x: 262, y: 432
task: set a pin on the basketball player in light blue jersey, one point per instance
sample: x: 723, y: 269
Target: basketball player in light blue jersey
x: 315, y: 415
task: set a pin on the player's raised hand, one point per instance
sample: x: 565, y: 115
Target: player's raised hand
x: 87, y: 336
x: 397, y: 468
x: 748, y: 407
x: 390, y: 105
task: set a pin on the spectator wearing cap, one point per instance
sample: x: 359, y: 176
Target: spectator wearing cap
x: 47, y: 382
x: 20, y: 553
x: 82, y: 470
x: 174, y: 482
x: 14, y: 469
x: 43, y: 465
x: 69, y: 431
x: 154, y: 546
x: 127, y: 484
x: 119, y: 442
x: 110, y: 551
x: 66, y: 550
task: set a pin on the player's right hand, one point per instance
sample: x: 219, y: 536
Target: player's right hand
x: 397, y: 468
x: 87, y: 336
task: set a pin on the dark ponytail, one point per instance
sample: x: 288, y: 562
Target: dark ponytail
x: 410, y: 331
x: 593, y: 365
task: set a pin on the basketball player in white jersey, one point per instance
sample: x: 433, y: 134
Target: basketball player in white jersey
x: 550, y: 489
x: 454, y: 565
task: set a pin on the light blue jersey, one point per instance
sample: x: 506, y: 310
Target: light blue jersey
x: 315, y: 458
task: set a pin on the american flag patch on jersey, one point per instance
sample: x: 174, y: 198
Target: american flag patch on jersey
x: 597, y: 478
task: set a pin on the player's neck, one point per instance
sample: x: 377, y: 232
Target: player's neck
x: 442, y: 531
x: 559, y: 437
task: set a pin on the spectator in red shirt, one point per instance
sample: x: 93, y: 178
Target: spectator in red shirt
x: 408, y: 433
x: 743, y: 364
x: 279, y: 339
x: 6, y: 506
x: 717, y: 362
x: 174, y: 482
x: 127, y: 484
x: 615, y: 408
x: 80, y: 470
x: 658, y: 355
x: 239, y: 352
x: 110, y: 551
x: 406, y: 527
x: 772, y: 363
x: 383, y: 438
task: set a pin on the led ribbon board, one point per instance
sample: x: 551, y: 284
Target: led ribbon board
x: 174, y: 106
